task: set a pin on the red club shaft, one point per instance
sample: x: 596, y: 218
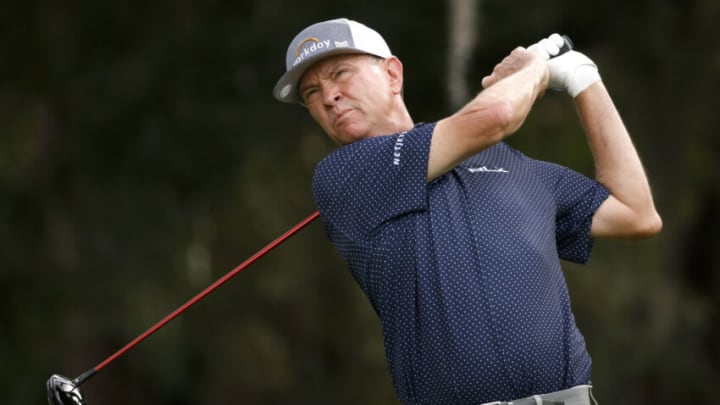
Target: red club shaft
x: 272, y: 245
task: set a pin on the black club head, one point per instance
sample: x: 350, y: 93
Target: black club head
x: 63, y: 391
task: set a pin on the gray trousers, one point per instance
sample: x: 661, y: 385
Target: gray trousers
x: 577, y: 395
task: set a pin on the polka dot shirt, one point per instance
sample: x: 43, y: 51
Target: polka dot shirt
x: 464, y: 272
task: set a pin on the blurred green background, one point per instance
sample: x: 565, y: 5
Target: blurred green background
x: 142, y: 157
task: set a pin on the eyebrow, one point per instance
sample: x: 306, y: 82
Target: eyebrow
x: 303, y: 88
x: 332, y: 66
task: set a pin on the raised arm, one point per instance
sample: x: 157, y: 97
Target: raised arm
x: 495, y: 113
x: 629, y: 212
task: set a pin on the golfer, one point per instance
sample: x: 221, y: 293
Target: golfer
x: 455, y: 237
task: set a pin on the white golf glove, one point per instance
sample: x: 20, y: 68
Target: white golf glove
x: 572, y: 71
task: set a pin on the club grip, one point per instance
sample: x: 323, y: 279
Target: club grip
x: 567, y: 45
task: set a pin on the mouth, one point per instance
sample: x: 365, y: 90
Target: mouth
x: 341, y: 116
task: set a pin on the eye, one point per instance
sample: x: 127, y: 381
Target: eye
x: 308, y: 93
x: 341, y: 73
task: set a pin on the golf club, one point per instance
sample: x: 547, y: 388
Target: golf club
x: 567, y: 45
x: 64, y: 391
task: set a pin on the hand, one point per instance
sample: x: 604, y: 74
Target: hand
x: 518, y: 59
x: 572, y: 71
x: 548, y: 47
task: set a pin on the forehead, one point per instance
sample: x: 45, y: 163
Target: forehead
x: 328, y: 63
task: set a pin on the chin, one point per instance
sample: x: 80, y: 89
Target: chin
x: 349, y: 137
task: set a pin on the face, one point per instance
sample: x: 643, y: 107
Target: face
x: 350, y: 96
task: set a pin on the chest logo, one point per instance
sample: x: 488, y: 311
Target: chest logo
x: 484, y: 169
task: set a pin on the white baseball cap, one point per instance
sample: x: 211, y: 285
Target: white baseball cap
x: 320, y: 40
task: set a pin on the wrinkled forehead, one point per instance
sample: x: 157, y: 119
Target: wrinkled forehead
x: 323, y: 67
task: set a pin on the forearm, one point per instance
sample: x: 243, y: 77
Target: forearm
x: 509, y: 93
x: 517, y: 93
x: 498, y: 111
x: 617, y: 163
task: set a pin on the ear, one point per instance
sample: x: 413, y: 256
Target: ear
x: 395, y: 74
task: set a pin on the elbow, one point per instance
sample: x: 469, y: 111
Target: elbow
x: 616, y: 220
x: 654, y: 225
x: 505, y: 119
x: 648, y: 227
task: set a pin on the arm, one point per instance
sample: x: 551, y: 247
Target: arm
x: 629, y: 212
x: 495, y: 113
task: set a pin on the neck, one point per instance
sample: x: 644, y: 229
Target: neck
x: 399, y: 120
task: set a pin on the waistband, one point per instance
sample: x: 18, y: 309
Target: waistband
x: 577, y: 395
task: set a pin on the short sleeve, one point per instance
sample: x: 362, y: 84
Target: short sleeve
x: 577, y: 198
x: 362, y: 185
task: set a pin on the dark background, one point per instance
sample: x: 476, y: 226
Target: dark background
x: 142, y: 157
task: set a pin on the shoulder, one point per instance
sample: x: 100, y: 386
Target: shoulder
x: 377, y: 175
x: 382, y: 150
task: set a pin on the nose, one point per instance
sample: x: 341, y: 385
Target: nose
x: 331, y: 93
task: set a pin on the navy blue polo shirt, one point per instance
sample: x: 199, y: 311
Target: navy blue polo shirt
x: 464, y: 272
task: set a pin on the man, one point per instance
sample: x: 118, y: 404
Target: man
x: 455, y: 237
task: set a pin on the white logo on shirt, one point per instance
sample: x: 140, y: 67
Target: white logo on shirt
x: 484, y: 169
x: 399, y: 143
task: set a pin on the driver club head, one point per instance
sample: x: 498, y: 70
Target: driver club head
x: 63, y: 391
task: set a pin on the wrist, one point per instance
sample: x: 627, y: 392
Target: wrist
x: 541, y: 72
x: 572, y: 72
x: 583, y: 77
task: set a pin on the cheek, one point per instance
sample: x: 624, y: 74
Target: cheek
x: 322, y: 119
x: 318, y: 115
x: 377, y: 90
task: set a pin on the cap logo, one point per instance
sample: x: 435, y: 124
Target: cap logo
x: 303, y: 42
x: 302, y: 51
